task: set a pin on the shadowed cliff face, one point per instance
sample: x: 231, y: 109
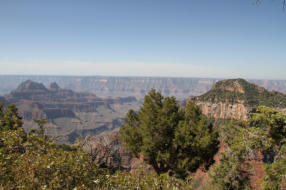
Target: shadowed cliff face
x: 70, y: 114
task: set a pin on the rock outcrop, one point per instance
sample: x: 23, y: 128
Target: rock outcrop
x: 224, y: 110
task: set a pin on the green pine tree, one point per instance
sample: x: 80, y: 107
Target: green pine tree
x: 170, y: 138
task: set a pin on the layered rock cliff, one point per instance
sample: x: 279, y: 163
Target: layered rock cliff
x: 70, y: 114
x: 224, y: 110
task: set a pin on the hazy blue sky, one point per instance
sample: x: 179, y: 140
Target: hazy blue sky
x: 188, y: 38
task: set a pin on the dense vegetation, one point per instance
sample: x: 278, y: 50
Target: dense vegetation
x: 29, y: 161
x: 241, y: 91
x: 173, y: 140
x: 33, y: 161
x: 262, y: 136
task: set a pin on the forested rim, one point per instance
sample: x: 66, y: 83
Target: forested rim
x: 175, y: 141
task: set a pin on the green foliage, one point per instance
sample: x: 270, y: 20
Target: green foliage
x: 132, y: 137
x: 264, y: 132
x: 32, y: 162
x: 276, y: 175
x: 272, y: 121
x: 274, y: 125
x: 241, y: 143
x: 173, y: 140
x: 170, y: 139
x: 146, y: 180
x: 195, y: 142
x: 41, y: 123
x: 9, y: 119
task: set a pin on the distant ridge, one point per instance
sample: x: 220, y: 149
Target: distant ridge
x: 104, y: 86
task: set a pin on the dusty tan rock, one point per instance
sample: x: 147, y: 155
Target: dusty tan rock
x: 224, y: 110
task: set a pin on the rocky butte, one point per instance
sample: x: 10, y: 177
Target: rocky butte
x: 236, y: 98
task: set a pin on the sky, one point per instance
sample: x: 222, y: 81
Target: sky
x: 169, y: 38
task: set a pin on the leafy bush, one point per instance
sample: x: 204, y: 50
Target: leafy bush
x: 264, y: 133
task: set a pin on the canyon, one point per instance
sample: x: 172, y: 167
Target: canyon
x: 70, y: 114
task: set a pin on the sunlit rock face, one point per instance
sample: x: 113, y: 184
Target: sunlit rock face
x: 224, y: 110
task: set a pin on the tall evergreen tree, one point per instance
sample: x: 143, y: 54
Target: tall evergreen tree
x: 9, y: 118
x: 169, y: 138
x: 195, y: 141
